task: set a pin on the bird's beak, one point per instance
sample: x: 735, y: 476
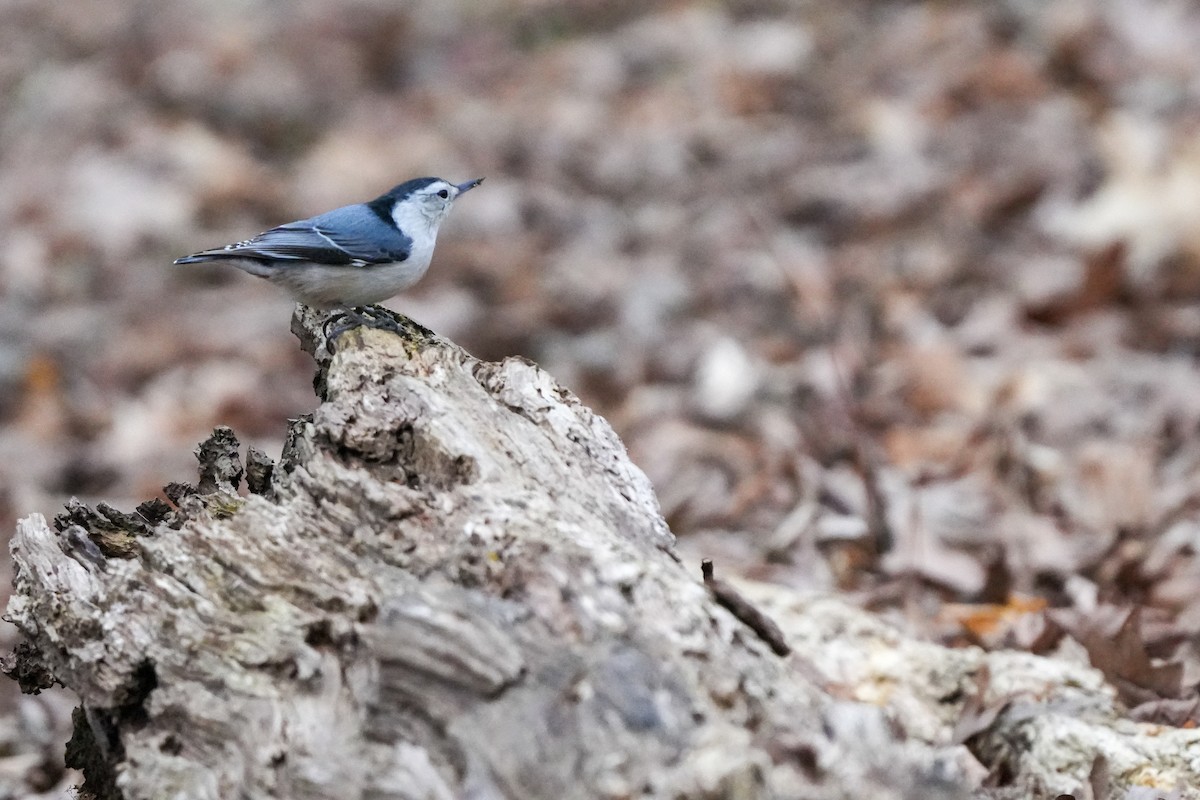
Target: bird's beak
x: 469, y: 185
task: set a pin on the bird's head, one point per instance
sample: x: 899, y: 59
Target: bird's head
x: 424, y: 201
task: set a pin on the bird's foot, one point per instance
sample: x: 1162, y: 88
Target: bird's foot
x: 380, y: 318
x: 375, y: 317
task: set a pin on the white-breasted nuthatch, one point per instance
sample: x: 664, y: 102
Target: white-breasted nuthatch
x: 354, y: 255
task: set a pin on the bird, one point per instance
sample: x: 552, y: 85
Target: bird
x: 351, y: 257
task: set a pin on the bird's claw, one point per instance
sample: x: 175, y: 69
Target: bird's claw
x: 358, y: 317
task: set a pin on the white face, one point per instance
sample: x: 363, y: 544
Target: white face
x: 436, y: 199
x: 422, y: 212
x: 425, y: 209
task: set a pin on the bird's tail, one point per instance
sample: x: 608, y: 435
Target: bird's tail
x: 255, y: 267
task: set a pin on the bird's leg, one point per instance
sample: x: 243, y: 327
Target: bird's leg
x: 332, y: 331
x: 396, y: 322
x: 345, y: 319
x: 355, y: 317
x: 380, y: 318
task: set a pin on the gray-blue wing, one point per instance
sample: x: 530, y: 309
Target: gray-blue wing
x: 344, y: 237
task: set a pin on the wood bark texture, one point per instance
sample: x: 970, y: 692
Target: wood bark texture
x: 453, y: 583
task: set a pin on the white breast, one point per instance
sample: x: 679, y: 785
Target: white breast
x: 418, y: 224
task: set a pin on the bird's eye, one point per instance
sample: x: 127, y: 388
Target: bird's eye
x: 443, y: 194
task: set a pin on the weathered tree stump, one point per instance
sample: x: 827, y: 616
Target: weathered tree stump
x: 453, y: 583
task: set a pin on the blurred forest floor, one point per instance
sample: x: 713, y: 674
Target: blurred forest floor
x: 895, y: 299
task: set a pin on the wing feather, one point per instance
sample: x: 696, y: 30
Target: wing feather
x: 311, y: 242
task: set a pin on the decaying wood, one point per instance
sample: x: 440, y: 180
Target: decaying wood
x: 453, y: 583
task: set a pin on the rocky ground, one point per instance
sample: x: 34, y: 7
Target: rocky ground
x: 897, y: 300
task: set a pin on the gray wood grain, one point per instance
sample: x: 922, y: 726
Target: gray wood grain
x: 454, y: 583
